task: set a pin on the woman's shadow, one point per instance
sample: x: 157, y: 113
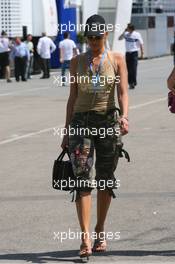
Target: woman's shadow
x: 72, y: 255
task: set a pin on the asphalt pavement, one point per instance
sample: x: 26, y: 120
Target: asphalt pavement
x: 34, y: 217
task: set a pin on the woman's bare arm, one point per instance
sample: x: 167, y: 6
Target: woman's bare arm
x: 73, y: 92
x: 122, y: 87
x: 122, y: 90
x: 71, y: 100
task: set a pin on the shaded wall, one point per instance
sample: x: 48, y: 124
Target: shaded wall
x: 65, y: 16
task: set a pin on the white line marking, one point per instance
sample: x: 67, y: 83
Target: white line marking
x: 7, y: 141
x: 148, y: 103
x: 156, y: 59
x: 25, y: 136
x: 151, y: 69
x: 24, y: 91
x: 34, y: 77
x: 5, y: 94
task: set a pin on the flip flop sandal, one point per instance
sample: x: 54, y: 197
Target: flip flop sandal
x: 99, y: 245
x: 85, y: 252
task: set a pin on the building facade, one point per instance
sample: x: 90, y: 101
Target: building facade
x: 18, y: 17
x: 155, y: 20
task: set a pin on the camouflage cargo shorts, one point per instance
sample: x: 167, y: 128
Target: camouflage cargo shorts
x: 100, y: 133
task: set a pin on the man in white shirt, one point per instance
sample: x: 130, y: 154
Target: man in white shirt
x: 44, y: 48
x: 134, y: 43
x: 67, y: 51
x: 4, y: 55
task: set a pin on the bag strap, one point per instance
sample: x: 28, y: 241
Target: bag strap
x: 67, y: 152
x: 61, y: 156
x: 124, y: 153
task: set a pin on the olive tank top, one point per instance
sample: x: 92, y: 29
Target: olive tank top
x: 90, y: 97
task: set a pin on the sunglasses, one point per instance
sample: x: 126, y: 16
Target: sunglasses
x: 95, y: 37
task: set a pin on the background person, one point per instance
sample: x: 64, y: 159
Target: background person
x: 171, y: 81
x: 134, y: 43
x: 30, y: 46
x: 172, y: 48
x: 67, y: 49
x: 92, y: 106
x: 4, y: 55
x: 171, y: 95
x: 21, y: 56
x: 44, y: 48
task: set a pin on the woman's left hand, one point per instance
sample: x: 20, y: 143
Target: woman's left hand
x: 124, y: 125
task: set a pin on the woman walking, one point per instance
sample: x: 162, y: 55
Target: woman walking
x: 91, y: 106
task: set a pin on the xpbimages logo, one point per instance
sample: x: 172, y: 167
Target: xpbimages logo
x: 71, y: 27
x: 71, y: 235
x: 80, y: 183
x: 85, y: 79
x: 102, y: 132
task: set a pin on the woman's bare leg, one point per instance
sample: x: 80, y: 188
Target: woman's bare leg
x: 103, y: 203
x: 83, y: 205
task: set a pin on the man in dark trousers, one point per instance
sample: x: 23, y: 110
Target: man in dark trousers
x: 44, y: 48
x: 21, y: 55
x: 134, y: 43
